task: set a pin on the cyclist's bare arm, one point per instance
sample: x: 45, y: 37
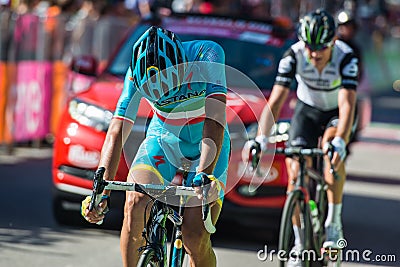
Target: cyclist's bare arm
x: 116, y: 137
x: 347, y: 103
x: 272, y: 110
x: 213, y: 133
x: 213, y: 136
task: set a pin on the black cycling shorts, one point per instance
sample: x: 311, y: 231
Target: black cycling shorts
x: 308, y: 125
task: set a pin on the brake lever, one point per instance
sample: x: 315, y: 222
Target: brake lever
x: 98, y: 187
x: 205, y: 206
x: 254, y: 155
x: 330, y: 153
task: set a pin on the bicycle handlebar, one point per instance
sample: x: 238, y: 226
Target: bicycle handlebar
x: 255, y: 152
x: 99, y: 184
x: 299, y: 151
x: 312, y: 152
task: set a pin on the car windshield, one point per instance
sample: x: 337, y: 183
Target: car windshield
x: 258, y: 61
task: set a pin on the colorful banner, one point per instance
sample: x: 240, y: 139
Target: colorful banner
x: 59, y: 94
x: 3, y: 99
x: 7, y: 101
x: 33, y: 103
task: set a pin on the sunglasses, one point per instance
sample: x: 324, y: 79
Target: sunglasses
x: 318, y: 48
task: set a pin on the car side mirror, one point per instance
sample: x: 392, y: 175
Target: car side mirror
x: 83, y: 73
x: 85, y: 64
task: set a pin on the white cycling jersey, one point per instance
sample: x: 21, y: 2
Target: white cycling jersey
x: 319, y: 90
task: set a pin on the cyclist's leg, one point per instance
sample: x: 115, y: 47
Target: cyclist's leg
x: 196, y: 239
x: 304, y: 131
x: 335, y: 187
x: 150, y: 165
x: 333, y: 223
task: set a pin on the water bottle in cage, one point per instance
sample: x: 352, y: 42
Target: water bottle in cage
x: 314, y: 216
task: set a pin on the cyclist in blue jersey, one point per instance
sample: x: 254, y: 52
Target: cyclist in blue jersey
x: 327, y: 71
x: 185, y: 84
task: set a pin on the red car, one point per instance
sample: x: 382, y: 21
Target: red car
x: 253, y: 50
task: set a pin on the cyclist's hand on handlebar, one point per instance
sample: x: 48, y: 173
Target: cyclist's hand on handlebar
x: 260, y: 141
x: 98, y: 212
x: 214, y: 187
x: 338, y: 146
x: 246, y: 150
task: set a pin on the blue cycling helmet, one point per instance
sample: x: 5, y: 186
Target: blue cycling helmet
x: 158, y: 63
x: 317, y: 29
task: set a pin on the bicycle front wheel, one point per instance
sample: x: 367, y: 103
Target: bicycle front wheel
x: 149, y: 258
x: 295, y: 210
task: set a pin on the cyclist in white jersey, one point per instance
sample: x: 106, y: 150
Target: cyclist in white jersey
x: 185, y: 84
x: 326, y: 70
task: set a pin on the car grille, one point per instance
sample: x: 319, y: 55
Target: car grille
x: 78, y: 172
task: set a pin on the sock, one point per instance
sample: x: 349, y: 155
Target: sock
x: 298, y: 235
x: 334, y: 214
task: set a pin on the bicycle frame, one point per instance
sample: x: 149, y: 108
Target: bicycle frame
x: 299, y: 199
x: 155, y: 231
x: 303, y: 189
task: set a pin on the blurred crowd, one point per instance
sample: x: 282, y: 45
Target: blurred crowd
x: 72, y: 18
x: 72, y: 22
x: 51, y: 32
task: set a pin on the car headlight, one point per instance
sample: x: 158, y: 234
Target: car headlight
x: 90, y: 115
x: 279, y: 132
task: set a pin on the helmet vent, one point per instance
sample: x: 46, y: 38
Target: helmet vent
x: 153, y: 77
x: 135, y: 55
x: 160, y: 43
x: 163, y: 65
x: 170, y: 53
x: 174, y: 80
x: 142, y: 65
x: 135, y: 81
x: 179, y: 55
x: 143, y: 46
x: 165, y: 88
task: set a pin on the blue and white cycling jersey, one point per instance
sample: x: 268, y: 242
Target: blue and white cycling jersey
x: 177, y: 125
x: 184, y: 110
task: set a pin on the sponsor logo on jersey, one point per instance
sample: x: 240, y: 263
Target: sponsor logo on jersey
x: 179, y: 98
x: 159, y: 160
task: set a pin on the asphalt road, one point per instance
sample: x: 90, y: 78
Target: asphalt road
x: 29, y: 235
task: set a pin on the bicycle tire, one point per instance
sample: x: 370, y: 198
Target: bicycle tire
x: 149, y: 258
x: 286, y: 235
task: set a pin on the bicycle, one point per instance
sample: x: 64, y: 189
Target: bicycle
x: 300, y: 198
x: 154, y: 253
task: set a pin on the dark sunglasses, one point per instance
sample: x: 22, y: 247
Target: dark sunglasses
x: 319, y: 48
